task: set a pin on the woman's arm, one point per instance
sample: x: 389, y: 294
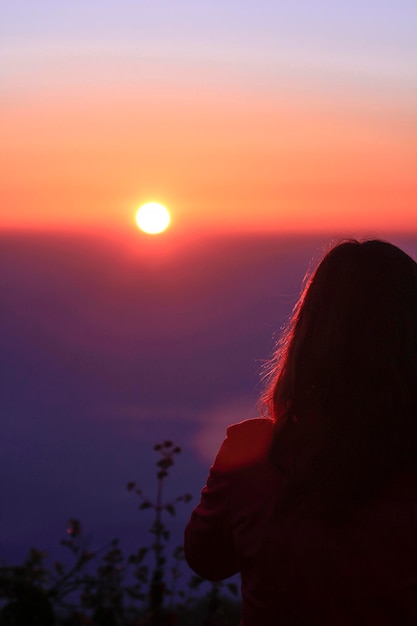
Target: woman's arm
x: 208, y: 542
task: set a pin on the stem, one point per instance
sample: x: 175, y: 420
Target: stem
x: 158, y: 520
x: 159, y: 505
x: 157, y: 585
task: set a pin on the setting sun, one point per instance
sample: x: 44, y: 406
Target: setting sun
x: 153, y: 218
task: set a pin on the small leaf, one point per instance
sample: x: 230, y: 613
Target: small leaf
x: 145, y: 505
x: 87, y: 556
x: 131, y: 485
x: 165, y: 463
x: 133, y: 559
x: 142, y: 552
x: 170, y: 509
x: 178, y: 553
x: 195, y: 581
x: 142, y: 574
x: 74, y: 528
x: 184, y: 498
x: 139, y: 556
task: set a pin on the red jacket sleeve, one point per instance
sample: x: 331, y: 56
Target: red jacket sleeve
x: 208, y: 540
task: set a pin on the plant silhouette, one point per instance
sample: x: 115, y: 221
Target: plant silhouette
x: 103, y: 587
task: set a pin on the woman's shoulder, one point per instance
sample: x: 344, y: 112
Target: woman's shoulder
x: 258, y: 426
x: 247, y: 443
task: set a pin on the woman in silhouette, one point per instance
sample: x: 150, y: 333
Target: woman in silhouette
x: 315, y: 505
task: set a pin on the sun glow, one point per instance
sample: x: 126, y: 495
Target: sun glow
x: 153, y: 218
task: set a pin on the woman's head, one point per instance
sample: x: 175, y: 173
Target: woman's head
x: 350, y: 349
x: 355, y: 323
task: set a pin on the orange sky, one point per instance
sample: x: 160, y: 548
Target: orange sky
x: 221, y: 159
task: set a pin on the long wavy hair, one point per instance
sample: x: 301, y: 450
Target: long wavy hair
x: 344, y: 375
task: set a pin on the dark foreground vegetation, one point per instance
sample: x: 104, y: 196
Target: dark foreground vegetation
x: 105, y: 587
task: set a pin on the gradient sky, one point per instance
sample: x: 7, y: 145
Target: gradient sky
x: 239, y: 116
x: 250, y: 121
